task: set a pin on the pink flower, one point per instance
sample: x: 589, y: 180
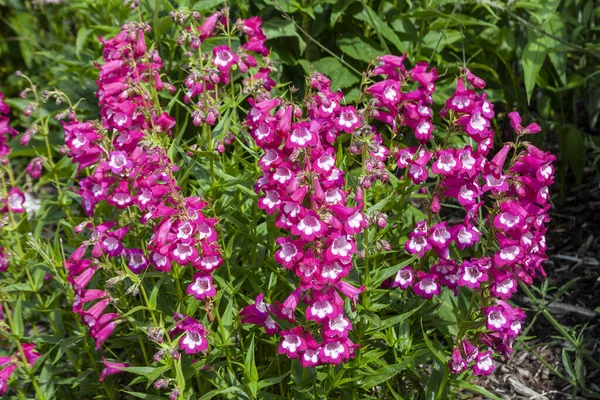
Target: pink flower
x: 301, y: 136
x: 320, y: 310
x: 404, y: 278
x: 292, y: 342
x: 309, y: 227
x: 417, y: 245
x: 471, y: 275
x: 30, y: 354
x: 439, y: 236
x: 457, y: 362
x: 484, y: 364
x: 183, y: 253
x: 423, y: 130
x: 496, y: 320
x: 471, y: 352
x: 350, y: 291
x: 509, y: 254
x: 503, y: 284
x: 465, y: 236
x: 446, y: 163
x: 136, y: 260
x: 201, y: 287
x: 206, y: 29
x: 310, y: 357
x: 223, y: 58
x: 194, y: 339
x: 348, y: 120
x: 474, y: 80
x: 427, y: 285
x: 342, y: 247
x: 333, y: 351
x: 5, y: 374
x: 34, y: 168
x: 111, y: 368
x: 515, y: 122
x: 337, y: 327
x: 16, y: 200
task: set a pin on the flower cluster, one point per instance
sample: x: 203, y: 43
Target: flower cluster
x: 9, y: 364
x: 304, y: 189
x: 412, y: 108
x: 194, y: 339
x: 209, y: 70
x: 519, y: 193
x: 6, y: 131
x: 131, y: 170
x: 12, y: 201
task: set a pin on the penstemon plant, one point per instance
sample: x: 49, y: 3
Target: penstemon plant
x: 377, y: 243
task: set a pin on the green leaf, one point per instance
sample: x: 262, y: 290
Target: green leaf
x: 369, y: 16
x: 17, y: 287
x: 341, y: 77
x: 23, y: 24
x: 338, y: 10
x: 277, y: 27
x: 144, y: 371
x: 477, y: 389
x: 82, y: 377
x: 154, y: 294
x: 207, y: 5
x: 146, y: 396
x: 237, y: 389
x: 271, y: 381
x: 556, y: 27
x: 533, y: 58
x: 162, y: 25
x: 566, y: 360
x: 385, y: 373
x: 82, y: 35
x: 250, y: 369
x: 437, y: 40
x: 545, y: 11
x: 359, y: 48
x: 456, y: 19
x: 17, y: 327
x: 382, y: 274
x: 441, y: 357
x: 392, y: 321
x: 436, y: 382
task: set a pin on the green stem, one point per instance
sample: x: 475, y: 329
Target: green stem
x: 26, y: 366
x: 365, y: 156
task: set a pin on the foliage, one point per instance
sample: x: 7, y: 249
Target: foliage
x: 532, y: 57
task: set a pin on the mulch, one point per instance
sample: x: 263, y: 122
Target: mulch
x: 573, y: 241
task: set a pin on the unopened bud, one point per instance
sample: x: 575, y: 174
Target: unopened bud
x: 159, y: 355
x: 175, y: 393
x: 161, y: 384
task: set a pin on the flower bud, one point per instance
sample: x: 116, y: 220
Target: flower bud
x: 435, y: 205
x: 159, y: 355
x: 175, y: 393
x: 161, y: 384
